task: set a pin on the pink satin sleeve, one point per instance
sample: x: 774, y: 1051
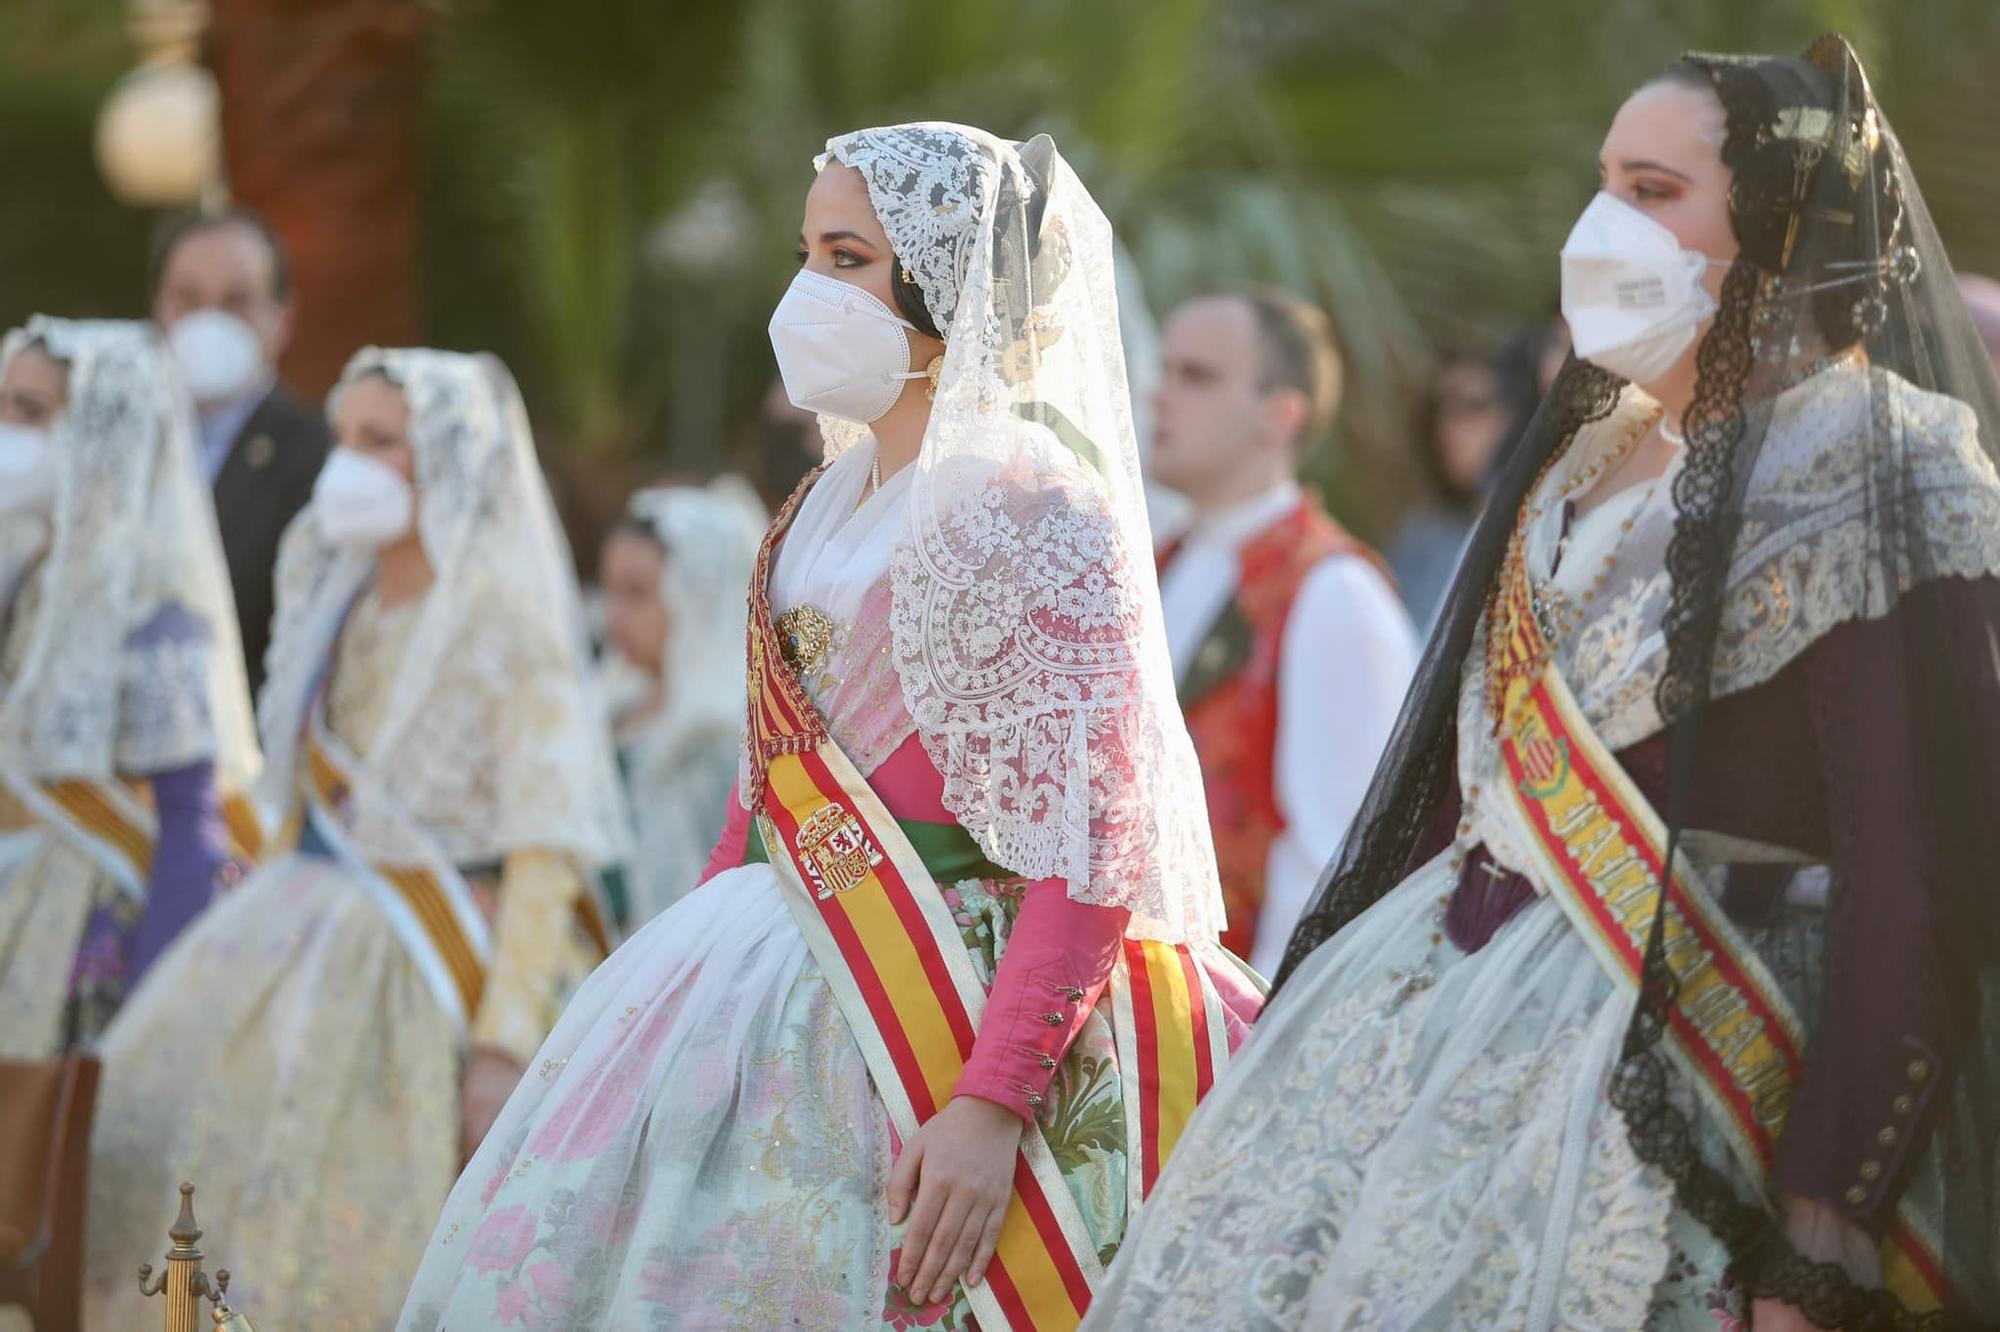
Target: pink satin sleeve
x: 1059, y: 957
x: 729, y: 848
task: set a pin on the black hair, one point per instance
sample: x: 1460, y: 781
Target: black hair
x: 910, y: 301
x: 633, y: 525
x: 1430, y: 455
x: 181, y: 226
x: 1027, y: 265
x: 1779, y: 179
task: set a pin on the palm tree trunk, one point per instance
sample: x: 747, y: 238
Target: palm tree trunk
x: 322, y: 105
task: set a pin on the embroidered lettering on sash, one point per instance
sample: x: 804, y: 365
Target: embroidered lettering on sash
x: 1619, y: 865
x: 1573, y: 819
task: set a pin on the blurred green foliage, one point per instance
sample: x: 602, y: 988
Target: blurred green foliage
x: 614, y: 185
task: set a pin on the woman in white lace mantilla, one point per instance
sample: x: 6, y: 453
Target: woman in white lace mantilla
x: 328, y: 1044
x: 968, y: 806
x: 674, y: 573
x: 125, y: 729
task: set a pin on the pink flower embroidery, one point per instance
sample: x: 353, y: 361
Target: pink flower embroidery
x: 656, y: 1282
x: 615, y: 1227
x: 552, y: 1286
x: 512, y: 1305
x: 503, y: 1240
x: 900, y: 1311
x: 1725, y: 1306
x: 593, y: 1114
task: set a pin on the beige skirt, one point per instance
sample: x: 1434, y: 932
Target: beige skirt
x: 287, y: 1057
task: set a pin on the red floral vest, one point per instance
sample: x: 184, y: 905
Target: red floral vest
x: 1230, y: 696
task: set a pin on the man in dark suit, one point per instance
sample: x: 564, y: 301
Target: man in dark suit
x: 222, y: 293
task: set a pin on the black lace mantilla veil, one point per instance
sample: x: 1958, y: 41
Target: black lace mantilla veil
x: 1840, y: 273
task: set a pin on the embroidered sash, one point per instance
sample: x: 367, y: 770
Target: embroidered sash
x: 1601, y: 848
x: 428, y: 903
x: 103, y: 819
x: 869, y: 909
x: 116, y: 829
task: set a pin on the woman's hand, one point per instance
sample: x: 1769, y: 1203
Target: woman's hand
x: 490, y: 1078
x: 1819, y: 1232
x: 1777, y: 1316
x: 960, y: 1169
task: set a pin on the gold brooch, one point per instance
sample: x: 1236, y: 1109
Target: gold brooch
x: 805, y: 633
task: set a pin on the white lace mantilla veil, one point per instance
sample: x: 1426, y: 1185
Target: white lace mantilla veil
x: 711, y: 534
x: 489, y: 529
x: 132, y: 534
x: 1026, y: 615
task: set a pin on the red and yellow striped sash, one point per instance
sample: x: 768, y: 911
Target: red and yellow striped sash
x: 117, y: 820
x: 879, y: 927
x: 1603, y: 848
x: 1172, y: 1040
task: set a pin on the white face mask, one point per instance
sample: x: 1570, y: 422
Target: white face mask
x: 219, y: 355
x: 840, y: 351
x: 362, y: 502
x: 1632, y: 295
x: 27, y: 470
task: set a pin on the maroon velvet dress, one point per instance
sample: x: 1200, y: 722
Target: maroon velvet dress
x: 1818, y: 759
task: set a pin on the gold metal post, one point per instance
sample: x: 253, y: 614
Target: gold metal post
x: 183, y: 1282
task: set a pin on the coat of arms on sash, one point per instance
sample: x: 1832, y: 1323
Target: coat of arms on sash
x: 835, y: 850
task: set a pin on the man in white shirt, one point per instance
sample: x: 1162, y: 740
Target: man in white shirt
x: 1290, y: 646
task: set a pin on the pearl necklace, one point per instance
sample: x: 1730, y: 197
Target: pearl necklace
x: 875, y: 475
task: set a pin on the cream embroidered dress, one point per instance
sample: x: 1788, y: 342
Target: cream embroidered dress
x: 293, y: 1055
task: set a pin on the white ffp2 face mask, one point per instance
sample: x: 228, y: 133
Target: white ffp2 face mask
x: 27, y: 470
x: 362, y: 502
x: 219, y: 355
x: 841, y: 352
x: 1631, y: 293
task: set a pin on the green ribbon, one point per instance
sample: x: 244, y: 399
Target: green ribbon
x: 947, y: 850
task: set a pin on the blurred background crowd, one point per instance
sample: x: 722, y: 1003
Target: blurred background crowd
x: 606, y: 193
